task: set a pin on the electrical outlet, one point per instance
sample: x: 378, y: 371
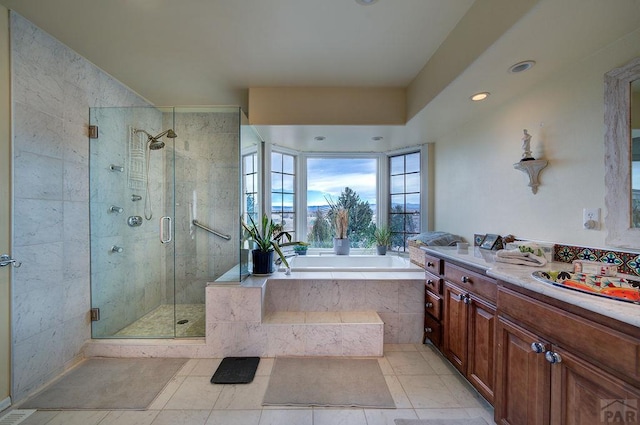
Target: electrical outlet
x: 591, y: 218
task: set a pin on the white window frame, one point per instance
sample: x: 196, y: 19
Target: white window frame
x: 267, y: 207
x: 382, y: 192
x: 380, y: 165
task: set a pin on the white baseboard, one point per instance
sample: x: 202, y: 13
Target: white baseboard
x: 5, y: 403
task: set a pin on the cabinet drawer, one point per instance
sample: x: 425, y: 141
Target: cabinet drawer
x: 477, y: 283
x: 433, y: 283
x: 433, y: 304
x: 433, y: 331
x: 614, y: 351
x: 433, y: 264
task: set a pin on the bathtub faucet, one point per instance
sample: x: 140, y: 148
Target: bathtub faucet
x: 287, y: 256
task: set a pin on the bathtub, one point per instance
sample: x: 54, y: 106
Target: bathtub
x: 353, y: 263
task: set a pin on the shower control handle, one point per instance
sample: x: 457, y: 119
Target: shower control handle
x: 165, y: 220
x: 134, y: 221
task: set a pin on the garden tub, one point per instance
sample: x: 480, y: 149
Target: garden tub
x: 353, y: 263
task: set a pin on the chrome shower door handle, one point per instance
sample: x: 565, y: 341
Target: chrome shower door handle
x: 5, y: 260
x: 165, y: 220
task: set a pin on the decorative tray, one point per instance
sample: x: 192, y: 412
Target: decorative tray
x: 613, y: 287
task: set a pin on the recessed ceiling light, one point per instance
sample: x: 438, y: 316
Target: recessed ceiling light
x: 480, y: 96
x: 521, y: 66
x: 377, y: 138
x: 319, y: 138
x: 366, y: 2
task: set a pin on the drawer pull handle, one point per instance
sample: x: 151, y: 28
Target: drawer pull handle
x: 428, y: 330
x: 430, y: 264
x: 461, y: 297
x: 430, y: 282
x: 467, y: 299
x: 429, y: 305
x: 552, y: 357
x: 538, y: 347
x: 466, y: 279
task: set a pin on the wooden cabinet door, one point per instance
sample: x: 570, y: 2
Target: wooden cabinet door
x: 480, y: 353
x: 584, y: 394
x: 523, y: 377
x: 455, y: 326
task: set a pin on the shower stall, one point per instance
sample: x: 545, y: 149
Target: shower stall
x: 164, y: 216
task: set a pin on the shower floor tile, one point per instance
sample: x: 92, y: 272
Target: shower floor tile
x: 161, y: 322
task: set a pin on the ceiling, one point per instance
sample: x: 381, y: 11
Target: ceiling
x: 209, y: 52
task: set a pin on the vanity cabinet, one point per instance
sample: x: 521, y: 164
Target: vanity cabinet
x: 433, y: 300
x: 557, y: 367
x: 469, y: 313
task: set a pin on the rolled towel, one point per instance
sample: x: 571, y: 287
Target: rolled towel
x: 516, y: 256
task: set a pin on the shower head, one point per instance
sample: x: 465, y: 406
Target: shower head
x: 154, y: 142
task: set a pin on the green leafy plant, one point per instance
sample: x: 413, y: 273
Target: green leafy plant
x: 382, y: 235
x: 269, y: 236
x: 301, y: 247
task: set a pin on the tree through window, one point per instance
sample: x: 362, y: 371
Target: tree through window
x: 346, y: 182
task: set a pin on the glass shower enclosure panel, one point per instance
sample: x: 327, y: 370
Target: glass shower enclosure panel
x: 164, y: 214
x: 132, y: 188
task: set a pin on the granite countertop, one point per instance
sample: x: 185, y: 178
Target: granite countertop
x: 521, y: 276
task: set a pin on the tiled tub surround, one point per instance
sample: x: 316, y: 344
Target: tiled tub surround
x: 345, y: 314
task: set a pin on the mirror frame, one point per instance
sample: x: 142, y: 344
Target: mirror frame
x: 617, y: 158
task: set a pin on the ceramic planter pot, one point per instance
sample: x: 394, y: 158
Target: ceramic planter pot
x: 341, y: 246
x: 381, y: 249
x: 262, y: 262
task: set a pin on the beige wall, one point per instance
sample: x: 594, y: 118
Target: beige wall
x: 468, y: 40
x: 5, y: 206
x: 326, y: 106
x: 477, y: 190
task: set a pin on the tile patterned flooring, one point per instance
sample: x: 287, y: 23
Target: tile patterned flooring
x: 423, y: 384
x: 161, y: 322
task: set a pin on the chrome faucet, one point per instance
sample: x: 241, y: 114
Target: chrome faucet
x: 286, y: 256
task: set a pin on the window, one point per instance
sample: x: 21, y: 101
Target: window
x: 345, y: 182
x: 404, y: 203
x: 250, y: 205
x: 283, y: 175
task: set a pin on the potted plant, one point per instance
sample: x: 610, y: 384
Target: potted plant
x: 341, y: 241
x: 268, y: 239
x: 382, y: 235
x: 301, y: 248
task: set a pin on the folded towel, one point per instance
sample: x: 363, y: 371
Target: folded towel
x: 516, y: 256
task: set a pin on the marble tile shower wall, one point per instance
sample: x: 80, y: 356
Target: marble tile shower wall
x: 52, y: 90
x: 126, y: 285
x: 207, y: 181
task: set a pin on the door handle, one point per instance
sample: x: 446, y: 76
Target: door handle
x: 167, y: 220
x: 5, y: 260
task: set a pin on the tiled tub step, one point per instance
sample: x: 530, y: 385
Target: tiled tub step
x: 325, y: 333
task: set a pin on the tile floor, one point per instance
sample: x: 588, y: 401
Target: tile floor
x: 422, y: 383
x: 161, y: 322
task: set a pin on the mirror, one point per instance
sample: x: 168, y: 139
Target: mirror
x: 622, y: 158
x: 635, y: 153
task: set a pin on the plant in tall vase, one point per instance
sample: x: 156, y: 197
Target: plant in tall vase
x: 341, y: 241
x: 267, y: 239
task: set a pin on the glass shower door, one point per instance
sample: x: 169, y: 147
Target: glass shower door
x: 132, y: 205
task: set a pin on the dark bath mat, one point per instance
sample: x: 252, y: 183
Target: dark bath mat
x: 236, y: 370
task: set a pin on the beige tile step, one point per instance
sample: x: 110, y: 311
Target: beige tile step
x: 322, y: 317
x: 324, y: 333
